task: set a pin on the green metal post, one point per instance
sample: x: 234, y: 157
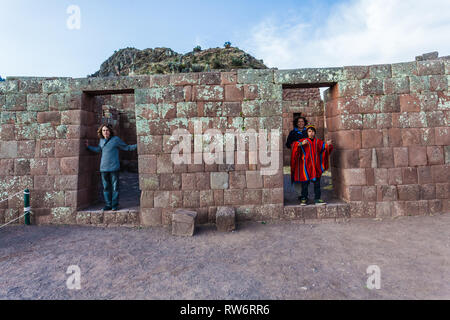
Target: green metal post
x: 26, y: 204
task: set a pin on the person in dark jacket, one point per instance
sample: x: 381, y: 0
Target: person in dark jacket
x: 110, y: 165
x: 299, y: 131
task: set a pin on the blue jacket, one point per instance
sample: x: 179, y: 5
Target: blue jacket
x: 110, y: 153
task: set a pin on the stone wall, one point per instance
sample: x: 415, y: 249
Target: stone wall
x: 389, y: 124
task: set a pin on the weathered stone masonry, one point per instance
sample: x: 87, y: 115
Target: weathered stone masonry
x: 389, y: 124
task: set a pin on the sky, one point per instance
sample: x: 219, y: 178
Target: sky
x: 49, y: 38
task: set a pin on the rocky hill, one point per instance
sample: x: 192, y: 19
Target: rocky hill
x: 132, y: 61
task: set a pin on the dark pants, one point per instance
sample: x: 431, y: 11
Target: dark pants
x: 305, y: 186
x: 110, y: 182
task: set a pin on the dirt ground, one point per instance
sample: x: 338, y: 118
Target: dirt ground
x: 279, y: 260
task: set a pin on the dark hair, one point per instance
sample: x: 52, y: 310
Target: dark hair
x: 312, y: 128
x: 298, y: 118
x: 99, y: 130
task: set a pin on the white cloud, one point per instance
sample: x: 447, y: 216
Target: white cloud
x: 357, y: 32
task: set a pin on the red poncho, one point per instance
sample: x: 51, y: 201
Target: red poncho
x: 309, y: 161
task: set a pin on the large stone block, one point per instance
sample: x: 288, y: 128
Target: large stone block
x: 56, y: 85
x: 380, y: 71
x: 325, y: 76
x: 209, y: 93
x: 417, y: 156
x: 442, y: 136
x: 246, y: 76
x: 37, y: 102
x: 63, y: 215
x: 408, y: 192
x: 356, y: 72
x: 372, y: 138
x: 404, y: 69
x: 225, y: 219
x: 219, y: 180
x: 67, y: 148
x: 183, y: 222
x: 9, y: 86
x: 371, y: 86
x: 234, y: 92
x: 148, y: 182
x: 151, y: 216
x: 8, y: 149
x: 15, y: 102
x: 430, y: 67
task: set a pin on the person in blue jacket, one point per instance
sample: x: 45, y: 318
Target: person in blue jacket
x: 109, y: 166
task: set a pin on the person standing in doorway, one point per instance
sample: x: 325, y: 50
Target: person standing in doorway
x: 309, y: 159
x: 110, y: 165
x: 299, y: 132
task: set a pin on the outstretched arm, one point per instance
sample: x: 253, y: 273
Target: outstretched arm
x: 290, y: 139
x: 126, y: 147
x: 92, y: 148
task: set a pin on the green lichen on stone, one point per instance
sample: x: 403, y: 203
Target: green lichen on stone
x: 309, y: 75
x: 380, y: 71
x: 8, y: 117
x: 142, y: 127
x: 8, y: 186
x: 149, y: 182
x: 63, y: 215
x: 61, y: 131
x: 237, y: 123
x: 186, y: 109
x: 419, y: 83
x: 370, y: 120
x: 141, y: 96
x: 53, y: 199
x: 248, y: 76
x: 16, y: 101
x: 28, y: 131
x: 270, y: 123
x: 9, y: 86
x: 164, y: 109
x: 24, y: 117
x: 37, y: 102
x: 270, y: 91
x: 271, y: 108
x: 146, y: 111
x: 404, y: 69
x: 58, y: 101
x: 179, y: 123
x: 251, y: 108
x: 213, y: 109
x: 56, y: 85
x: 157, y: 94
x: 208, y: 93
x: 46, y: 131
x: 351, y: 121
x: 444, y: 104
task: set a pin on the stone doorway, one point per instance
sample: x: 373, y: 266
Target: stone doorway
x: 308, y: 102
x: 116, y: 108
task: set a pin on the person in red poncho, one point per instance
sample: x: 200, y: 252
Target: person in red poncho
x: 309, y: 159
